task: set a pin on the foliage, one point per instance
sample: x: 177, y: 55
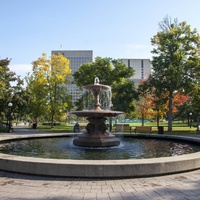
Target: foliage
x: 144, y: 102
x: 144, y: 109
x: 152, y: 105
x: 11, y: 86
x: 194, y: 93
x: 47, y: 86
x: 179, y: 101
x: 175, y: 61
x: 110, y: 72
x: 124, y: 96
x: 195, y: 98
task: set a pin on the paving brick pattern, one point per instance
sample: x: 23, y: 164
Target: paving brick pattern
x: 184, y: 186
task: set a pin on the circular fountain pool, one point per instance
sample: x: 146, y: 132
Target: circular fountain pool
x: 129, y: 148
x: 109, y: 168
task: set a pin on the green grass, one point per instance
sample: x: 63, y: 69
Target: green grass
x: 177, y: 128
x: 63, y: 128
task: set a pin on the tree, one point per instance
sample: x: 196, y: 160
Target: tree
x: 195, y: 98
x: 10, y: 85
x: 144, y: 108
x: 179, y: 102
x: 123, y: 96
x: 158, y: 98
x: 194, y: 94
x: 148, y: 105
x: 47, y: 84
x: 175, y: 59
x: 112, y: 72
x: 154, y: 103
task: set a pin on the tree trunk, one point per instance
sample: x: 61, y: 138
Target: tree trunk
x: 158, y: 118
x: 142, y: 119
x: 170, y: 113
x: 52, y: 120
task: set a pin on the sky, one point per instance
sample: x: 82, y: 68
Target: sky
x: 111, y: 28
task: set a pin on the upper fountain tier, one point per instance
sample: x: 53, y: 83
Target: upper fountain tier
x: 97, y: 111
x: 97, y: 87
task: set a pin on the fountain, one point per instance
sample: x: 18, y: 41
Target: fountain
x: 97, y: 134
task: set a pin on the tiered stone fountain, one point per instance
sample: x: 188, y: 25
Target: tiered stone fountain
x: 97, y: 134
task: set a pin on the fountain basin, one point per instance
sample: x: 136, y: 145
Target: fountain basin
x: 96, y: 140
x: 97, y: 134
x: 102, y: 168
x: 96, y: 113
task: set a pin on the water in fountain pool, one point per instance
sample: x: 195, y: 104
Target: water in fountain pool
x: 129, y: 148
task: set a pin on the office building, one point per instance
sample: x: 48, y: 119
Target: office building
x: 142, y: 69
x: 77, y: 58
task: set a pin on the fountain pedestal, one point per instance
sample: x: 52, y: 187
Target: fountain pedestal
x: 97, y: 134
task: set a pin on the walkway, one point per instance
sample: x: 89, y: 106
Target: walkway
x: 25, y: 187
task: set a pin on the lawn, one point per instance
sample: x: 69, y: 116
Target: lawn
x: 177, y: 128
x: 63, y: 128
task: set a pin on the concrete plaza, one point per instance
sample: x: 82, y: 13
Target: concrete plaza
x: 177, y: 186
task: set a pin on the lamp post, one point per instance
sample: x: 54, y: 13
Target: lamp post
x: 190, y: 119
x: 9, y: 117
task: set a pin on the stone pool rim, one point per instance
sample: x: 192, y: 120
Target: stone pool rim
x: 101, y: 168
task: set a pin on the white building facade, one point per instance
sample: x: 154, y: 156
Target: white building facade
x: 77, y: 58
x: 142, y: 69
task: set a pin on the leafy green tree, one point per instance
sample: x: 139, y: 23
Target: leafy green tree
x: 123, y: 96
x: 194, y: 94
x: 112, y: 72
x: 176, y: 60
x: 195, y: 98
x: 37, y: 96
x: 47, y: 86
x: 10, y: 85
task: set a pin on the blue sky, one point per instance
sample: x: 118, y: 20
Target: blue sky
x: 111, y: 28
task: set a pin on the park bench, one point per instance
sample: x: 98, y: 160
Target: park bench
x: 82, y: 127
x: 122, y: 127
x: 144, y: 129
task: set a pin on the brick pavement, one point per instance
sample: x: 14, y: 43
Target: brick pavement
x: 170, y: 187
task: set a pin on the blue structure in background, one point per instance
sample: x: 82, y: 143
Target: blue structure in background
x: 132, y: 121
x: 128, y: 121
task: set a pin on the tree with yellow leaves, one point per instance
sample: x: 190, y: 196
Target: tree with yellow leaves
x: 47, y: 84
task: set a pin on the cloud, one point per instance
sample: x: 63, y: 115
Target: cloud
x: 21, y: 69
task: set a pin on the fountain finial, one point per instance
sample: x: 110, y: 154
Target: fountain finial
x: 96, y: 81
